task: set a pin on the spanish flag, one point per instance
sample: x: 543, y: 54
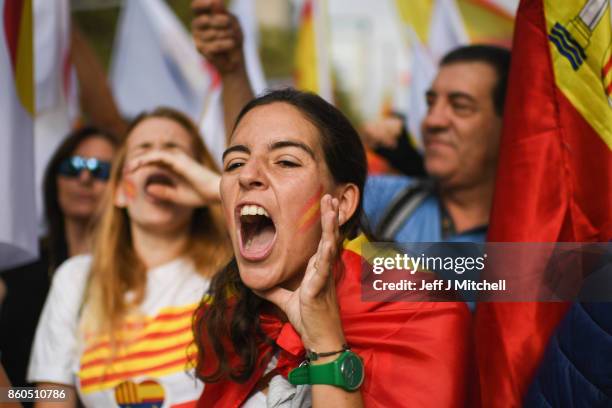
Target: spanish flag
x: 415, y: 354
x: 312, y: 66
x: 554, y: 181
x: 18, y: 235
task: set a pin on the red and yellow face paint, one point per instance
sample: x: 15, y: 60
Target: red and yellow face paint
x: 311, y: 211
x: 129, y: 189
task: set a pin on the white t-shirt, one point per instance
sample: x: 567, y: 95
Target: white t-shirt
x: 151, y: 370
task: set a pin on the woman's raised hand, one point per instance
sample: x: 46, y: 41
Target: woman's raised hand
x: 197, y: 186
x: 312, y: 308
x: 217, y: 35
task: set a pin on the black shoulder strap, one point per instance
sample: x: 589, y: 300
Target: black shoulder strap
x: 401, y: 208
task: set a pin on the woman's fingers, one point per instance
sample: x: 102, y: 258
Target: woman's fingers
x: 172, y: 160
x: 161, y: 192
x: 319, y: 273
x: 217, y: 35
x: 199, y: 7
x: 178, y: 194
x: 196, y: 179
x: 209, y: 21
x: 176, y: 160
x: 329, y: 226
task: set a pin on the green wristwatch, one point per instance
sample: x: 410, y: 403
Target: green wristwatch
x: 345, y: 372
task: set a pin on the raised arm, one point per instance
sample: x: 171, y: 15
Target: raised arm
x: 219, y: 39
x: 95, y: 96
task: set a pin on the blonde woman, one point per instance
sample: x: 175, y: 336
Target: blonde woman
x: 116, y: 327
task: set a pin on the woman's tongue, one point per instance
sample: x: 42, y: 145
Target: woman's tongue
x: 258, y: 237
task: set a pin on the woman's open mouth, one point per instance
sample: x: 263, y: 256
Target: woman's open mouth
x: 158, y: 178
x: 256, y: 232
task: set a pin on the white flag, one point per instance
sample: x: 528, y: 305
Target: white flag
x: 212, y: 124
x: 244, y: 10
x: 447, y: 30
x: 56, y: 85
x: 422, y: 75
x: 155, y: 62
x: 18, y: 232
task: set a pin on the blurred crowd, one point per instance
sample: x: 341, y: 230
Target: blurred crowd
x: 164, y: 279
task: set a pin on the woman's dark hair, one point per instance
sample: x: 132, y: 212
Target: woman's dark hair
x: 345, y: 157
x: 56, y: 235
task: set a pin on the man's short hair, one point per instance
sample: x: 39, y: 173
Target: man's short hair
x: 496, y: 57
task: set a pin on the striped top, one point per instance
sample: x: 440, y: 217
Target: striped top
x: 149, y: 365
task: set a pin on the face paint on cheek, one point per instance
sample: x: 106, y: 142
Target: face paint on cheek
x: 129, y: 189
x: 311, y: 212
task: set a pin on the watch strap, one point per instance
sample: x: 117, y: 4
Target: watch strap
x: 326, y: 374
x: 300, y: 375
x: 316, y: 374
x: 312, y: 355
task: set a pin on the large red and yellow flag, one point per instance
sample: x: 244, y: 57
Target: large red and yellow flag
x: 554, y: 181
x: 18, y: 227
x: 312, y: 66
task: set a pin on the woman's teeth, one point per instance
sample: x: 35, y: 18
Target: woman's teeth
x: 257, y: 231
x: 253, y: 210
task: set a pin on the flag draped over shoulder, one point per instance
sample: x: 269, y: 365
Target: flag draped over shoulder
x: 404, y: 345
x: 312, y: 66
x: 18, y: 242
x: 554, y: 181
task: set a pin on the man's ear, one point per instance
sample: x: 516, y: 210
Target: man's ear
x: 348, y: 196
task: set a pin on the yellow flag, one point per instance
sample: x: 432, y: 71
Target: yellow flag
x: 312, y: 68
x: 486, y: 23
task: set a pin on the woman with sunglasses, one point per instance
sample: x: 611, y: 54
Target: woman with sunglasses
x: 81, y: 178
x: 117, y: 324
x: 73, y: 184
x: 291, y: 189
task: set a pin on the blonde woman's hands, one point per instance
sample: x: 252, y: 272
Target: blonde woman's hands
x: 197, y: 185
x: 312, y: 308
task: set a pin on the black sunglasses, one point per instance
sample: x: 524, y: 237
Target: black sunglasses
x: 72, y: 167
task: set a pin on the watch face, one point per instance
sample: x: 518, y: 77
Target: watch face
x: 352, y: 371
